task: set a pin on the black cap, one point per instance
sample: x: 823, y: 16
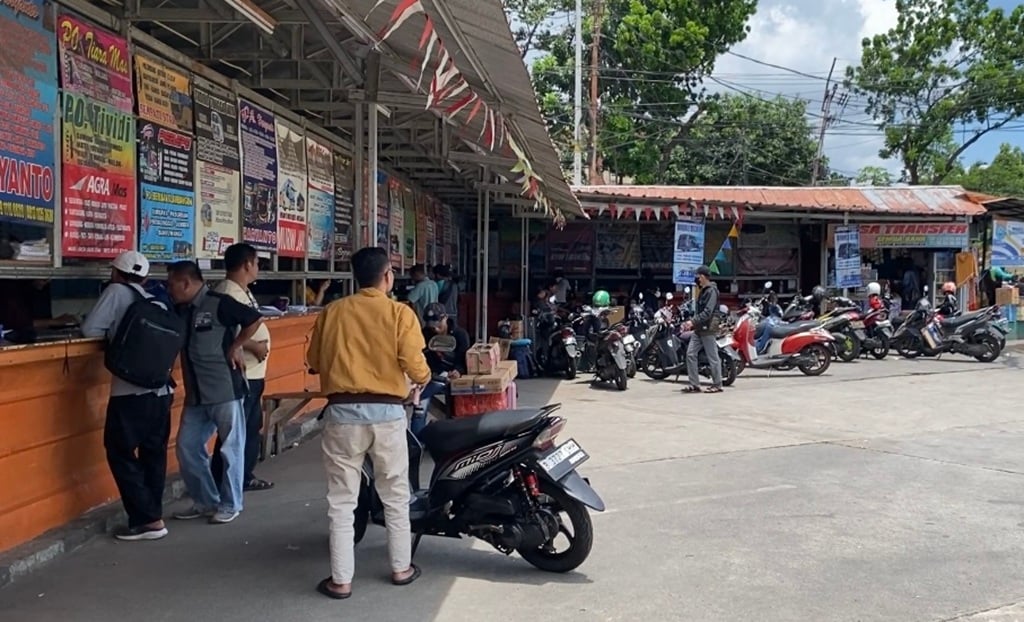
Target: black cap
x: 433, y: 314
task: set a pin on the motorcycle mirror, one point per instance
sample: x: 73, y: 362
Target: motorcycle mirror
x: 552, y: 300
x: 926, y: 289
x: 723, y: 309
x: 768, y: 285
x: 668, y: 296
x: 641, y: 295
x: 686, y: 290
x: 443, y: 344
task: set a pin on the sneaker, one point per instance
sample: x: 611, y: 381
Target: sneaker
x: 222, y: 518
x: 192, y: 513
x: 140, y: 532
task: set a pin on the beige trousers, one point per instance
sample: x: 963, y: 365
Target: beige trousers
x: 345, y: 447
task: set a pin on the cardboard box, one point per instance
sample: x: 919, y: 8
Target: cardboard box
x: 1007, y: 296
x: 504, y: 345
x: 616, y: 315
x: 472, y: 384
x: 482, y: 358
x: 472, y: 405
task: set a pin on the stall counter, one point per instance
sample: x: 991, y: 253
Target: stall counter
x: 53, y: 400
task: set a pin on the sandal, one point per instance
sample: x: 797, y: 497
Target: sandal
x: 713, y: 390
x: 691, y: 389
x: 406, y: 581
x: 258, y: 484
x: 324, y: 587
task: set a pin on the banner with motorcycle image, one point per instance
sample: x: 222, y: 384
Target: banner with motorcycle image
x: 688, y: 252
x: 292, y: 193
x: 847, y: 256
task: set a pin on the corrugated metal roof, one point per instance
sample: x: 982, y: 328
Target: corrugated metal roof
x: 909, y: 200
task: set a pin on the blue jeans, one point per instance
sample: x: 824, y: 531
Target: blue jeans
x: 198, y: 424
x: 419, y: 414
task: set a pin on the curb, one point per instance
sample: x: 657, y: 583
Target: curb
x: 52, y: 545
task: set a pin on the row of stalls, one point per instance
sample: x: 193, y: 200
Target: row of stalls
x: 307, y: 128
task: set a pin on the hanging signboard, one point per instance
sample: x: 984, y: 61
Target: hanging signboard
x: 847, y: 256
x: 217, y: 169
x: 166, y: 193
x: 216, y: 117
x: 947, y: 235
x: 383, y: 211
x: 320, y: 232
x: 98, y: 205
x: 397, y: 214
x: 571, y: 249
x: 164, y: 94
x: 618, y: 247
x: 688, y: 253
x: 259, y: 175
x: 421, y: 228
x: 94, y: 63
x: 344, y: 183
x: 28, y: 81
x: 291, y: 191
x: 409, y: 203
x: 1007, y: 244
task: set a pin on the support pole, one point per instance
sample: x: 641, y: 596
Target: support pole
x: 373, y: 166
x: 479, y: 256
x: 846, y: 223
x: 487, y: 262
x: 577, y: 155
x: 359, y: 170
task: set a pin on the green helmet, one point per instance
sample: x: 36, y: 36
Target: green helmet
x: 602, y: 299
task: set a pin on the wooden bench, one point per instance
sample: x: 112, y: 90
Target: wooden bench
x: 278, y: 410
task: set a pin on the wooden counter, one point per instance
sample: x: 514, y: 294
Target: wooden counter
x: 53, y: 401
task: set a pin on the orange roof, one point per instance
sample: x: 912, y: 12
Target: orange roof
x: 909, y: 200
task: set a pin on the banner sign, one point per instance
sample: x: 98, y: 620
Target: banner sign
x: 217, y: 197
x: 344, y: 207
x: 166, y: 193
x: 259, y: 175
x: 397, y: 229
x: 949, y: 235
x: 28, y: 81
x: 847, y: 256
x: 688, y: 254
x: 98, y: 179
x: 618, y: 247
x: 216, y: 125
x: 571, y: 249
x: 291, y: 191
x: 320, y: 231
x: 1007, y: 244
x: 409, y: 228
x: 165, y: 94
x: 94, y: 63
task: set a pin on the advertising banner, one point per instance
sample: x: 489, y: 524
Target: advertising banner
x: 216, y: 125
x: 656, y: 244
x: 217, y: 195
x: 344, y: 184
x: 28, y: 81
x: 947, y: 235
x: 409, y: 202
x: 291, y: 191
x: 166, y: 193
x: 618, y: 247
x: 320, y: 232
x: 98, y: 192
x: 688, y: 254
x: 1007, y: 244
x: 165, y: 94
x: 95, y: 63
x: 259, y: 175
x: 422, y: 206
x: 847, y: 256
x: 383, y: 211
x: 397, y: 229
x: 571, y: 249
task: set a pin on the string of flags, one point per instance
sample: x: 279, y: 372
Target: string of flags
x: 727, y: 245
x: 681, y: 210
x: 451, y: 96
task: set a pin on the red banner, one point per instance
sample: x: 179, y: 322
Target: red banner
x: 98, y: 213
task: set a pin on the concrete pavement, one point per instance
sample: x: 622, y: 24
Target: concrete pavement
x: 889, y: 490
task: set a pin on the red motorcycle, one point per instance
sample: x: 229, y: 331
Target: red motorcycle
x: 804, y: 345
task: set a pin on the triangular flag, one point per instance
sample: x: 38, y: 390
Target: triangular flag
x: 721, y: 256
x: 734, y: 233
x: 713, y: 267
x: 726, y: 245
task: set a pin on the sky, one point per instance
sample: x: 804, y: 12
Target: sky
x: 805, y: 35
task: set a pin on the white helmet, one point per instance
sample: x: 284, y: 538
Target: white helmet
x: 874, y: 289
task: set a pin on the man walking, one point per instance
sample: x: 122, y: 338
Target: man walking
x: 704, y: 325
x: 424, y: 293
x: 365, y: 348
x: 138, y: 419
x: 242, y: 266
x: 214, y: 371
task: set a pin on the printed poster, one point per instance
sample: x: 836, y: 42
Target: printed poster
x: 216, y: 117
x: 291, y: 191
x: 28, y: 81
x: 383, y: 211
x: 1007, y: 244
x: 688, y: 253
x: 217, y: 195
x: 165, y: 94
x: 98, y: 207
x: 422, y: 207
x: 431, y: 233
x: 258, y: 140
x: 397, y: 228
x: 344, y: 207
x: 618, y: 247
x: 166, y: 193
x: 95, y: 63
x: 320, y: 232
x: 847, y: 251
x: 409, y: 228
x: 571, y: 249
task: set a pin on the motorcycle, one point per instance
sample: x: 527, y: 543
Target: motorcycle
x: 926, y: 333
x: 843, y: 322
x: 665, y: 355
x: 878, y: 330
x: 560, y: 353
x: 806, y: 346
x: 498, y: 477
x: 611, y: 357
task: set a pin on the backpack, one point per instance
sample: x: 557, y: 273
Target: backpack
x: 147, y: 340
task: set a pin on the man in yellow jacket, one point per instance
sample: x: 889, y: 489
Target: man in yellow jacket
x: 367, y: 348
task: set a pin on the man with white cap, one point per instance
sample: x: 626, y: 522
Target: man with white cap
x: 138, y: 418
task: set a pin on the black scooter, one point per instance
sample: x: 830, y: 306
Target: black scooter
x: 501, y: 478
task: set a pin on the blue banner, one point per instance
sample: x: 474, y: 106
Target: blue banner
x: 847, y: 249
x: 168, y: 223
x: 688, y: 251
x: 28, y: 81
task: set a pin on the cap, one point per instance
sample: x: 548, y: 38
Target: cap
x: 704, y: 271
x: 433, y: 314
x: 132, y: 262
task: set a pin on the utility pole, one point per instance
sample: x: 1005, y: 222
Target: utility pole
x: 595, y: 59
x: 577, y: 155
x: 826, y: 119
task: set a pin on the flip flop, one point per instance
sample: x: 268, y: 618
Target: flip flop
x: 258, y: 484
x: 406, y: 581
x: 691, y: 389
x: 713, y: 390
x: 323, y: 588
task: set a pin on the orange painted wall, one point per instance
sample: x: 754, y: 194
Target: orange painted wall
x: 52, y: 406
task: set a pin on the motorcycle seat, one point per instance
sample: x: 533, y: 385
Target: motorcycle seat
x: 780, y: 331
x: 960, y: 320
x: 448, y: 436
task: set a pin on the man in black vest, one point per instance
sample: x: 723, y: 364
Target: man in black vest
x: 705, y: 327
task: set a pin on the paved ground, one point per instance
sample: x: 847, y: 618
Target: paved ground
x: 888, y: 490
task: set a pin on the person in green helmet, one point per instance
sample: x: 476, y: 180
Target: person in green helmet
x: 601, y: 300
x: 992, y: 279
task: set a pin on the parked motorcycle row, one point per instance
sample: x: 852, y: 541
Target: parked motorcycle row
x: 761, y: 335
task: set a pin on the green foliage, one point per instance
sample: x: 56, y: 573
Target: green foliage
x: 533, y: 20
x: 1003, y: 177
x: 873, y: 176
x: 946, y: 63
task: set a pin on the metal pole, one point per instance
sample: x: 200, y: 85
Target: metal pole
x: 577, y: 156
x: 524, y: 266
x: 486, y: 260
x: 359, y: 170
x: 373, y: 162
x: 846, y: 223
x: 479, y: 257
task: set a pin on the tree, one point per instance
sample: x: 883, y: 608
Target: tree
x: 532, y: 21
x: 873, y: 176
x: 1003, y: 177
x: 745, y: 140
x: 946, y: 63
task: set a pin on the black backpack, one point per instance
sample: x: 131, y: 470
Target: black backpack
x: 147, y: 340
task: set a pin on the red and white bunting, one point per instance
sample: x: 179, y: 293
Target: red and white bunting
x: 401, y: 14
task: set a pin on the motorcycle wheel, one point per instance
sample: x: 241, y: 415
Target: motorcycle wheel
x: 848, y: 349
x: 729, y: 372
x: 822, y: 357
x: 907, y: 347
x: 652, y: 367
x: 739, y: 365
x: 621, y: 381
x: 882, y: 350
x: 570, y: 369
x: 992, y: 349
x: 545, y: 557
x: 631, y: 368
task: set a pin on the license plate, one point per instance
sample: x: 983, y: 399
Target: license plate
x: 563, y: 459
x: 857, y: 324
